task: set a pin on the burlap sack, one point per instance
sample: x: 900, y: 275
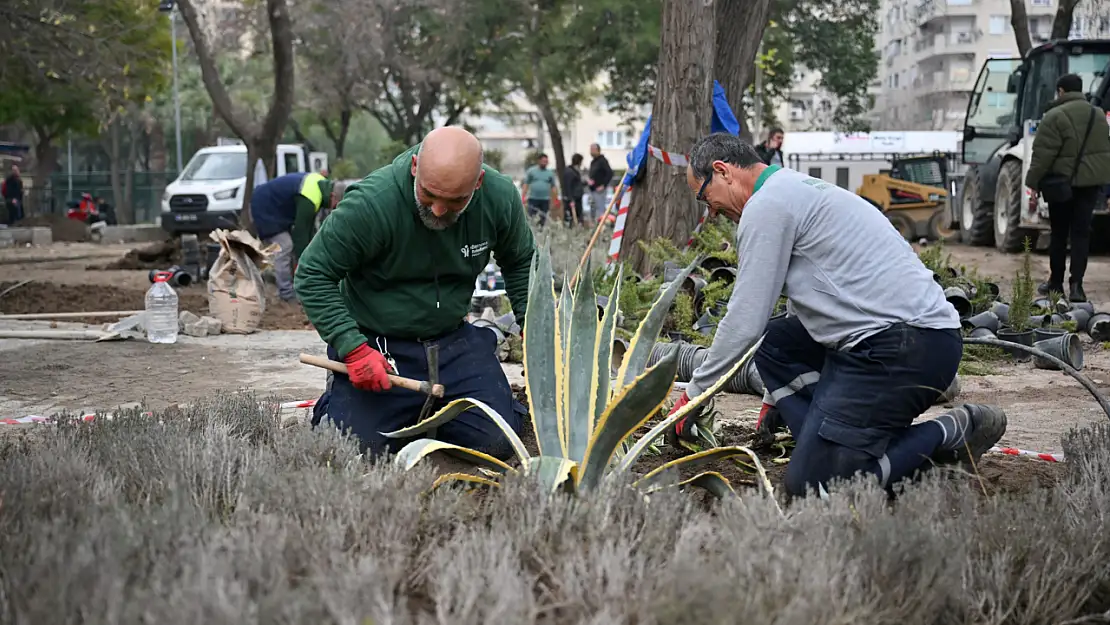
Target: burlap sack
x: 236, y: 291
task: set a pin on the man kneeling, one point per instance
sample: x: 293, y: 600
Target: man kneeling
x: 391, y: 274
x: 870, y: 344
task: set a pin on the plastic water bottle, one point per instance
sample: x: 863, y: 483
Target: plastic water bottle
x: 161, y: 310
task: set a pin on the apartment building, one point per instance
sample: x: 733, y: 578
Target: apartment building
x: 932, y: 51
x: 808, y: 107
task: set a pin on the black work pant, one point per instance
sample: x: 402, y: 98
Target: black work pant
x: 1071, y: 219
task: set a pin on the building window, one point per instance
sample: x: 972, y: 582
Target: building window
x: 1000, y: 54
x: 815, y: 172
x: 611, y: 139
x: 959, y: 2
x: 1042, y: 3
x: 842, y: 177
x: 797, y: 110
x: 1000, y: 24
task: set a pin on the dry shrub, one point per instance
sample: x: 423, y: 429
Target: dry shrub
x: 216, y: 515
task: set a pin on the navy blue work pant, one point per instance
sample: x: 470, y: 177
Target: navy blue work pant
x: 852, y: 411
x: 468, y: 368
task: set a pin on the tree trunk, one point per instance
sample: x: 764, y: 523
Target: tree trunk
x: 114, y: 165
x: 556, y: 136
x: 1019, y: 20
x: 46, y: 163
x: 125, y: 208
x: 664, y: 206
x: 344, y: 128
x: 158, y: 155
x: 1061, y: 22
x: 740, y: 26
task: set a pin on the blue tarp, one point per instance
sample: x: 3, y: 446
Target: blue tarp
x: 723, y: 121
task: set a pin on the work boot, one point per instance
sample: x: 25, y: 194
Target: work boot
x: 1048, y: 286
x: 970, y: 430
x: 1075, y: 293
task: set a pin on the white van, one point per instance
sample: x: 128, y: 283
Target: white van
x: 208, y: 194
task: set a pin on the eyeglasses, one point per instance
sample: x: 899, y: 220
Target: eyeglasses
x: 701, y: 192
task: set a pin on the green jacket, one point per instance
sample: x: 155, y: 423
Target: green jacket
x: 373, y: 267
x: 1061, y: 131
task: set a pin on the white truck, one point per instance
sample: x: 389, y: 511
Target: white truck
x: 1009, y: 100
x: 208, y: 194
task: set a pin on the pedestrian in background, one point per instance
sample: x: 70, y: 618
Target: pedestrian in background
x: 13, y: 196
x: 1069, y: 167
x: 573, y: 190
x: 540, y: 190
x: 770, y: 151
x: 601, y: 174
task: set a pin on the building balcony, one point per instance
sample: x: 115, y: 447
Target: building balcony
x: 928, y: 11
x: 961, y: 43
x: 942, y: 82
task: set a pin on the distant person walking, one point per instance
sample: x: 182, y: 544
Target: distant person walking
x: 770, y: 151
x: 540, y: 190
x: 13, y: 196
x: 597, y: 181
x: 573, y: 190
x: 1069, y: 167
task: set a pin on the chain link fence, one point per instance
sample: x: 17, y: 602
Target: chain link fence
x: 146, y: 193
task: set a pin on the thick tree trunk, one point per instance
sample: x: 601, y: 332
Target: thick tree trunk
x: 1061, y: 22
x: 664, y: 206
x: 46, y: 163
x: 1019, y: 20
x: 740, y: 26
x: 125, y: 206
x: 114, y: 165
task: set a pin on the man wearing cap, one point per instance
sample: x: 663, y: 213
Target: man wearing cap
x: 285, y: 211
x: 870, y: 342
x: 391, y: 273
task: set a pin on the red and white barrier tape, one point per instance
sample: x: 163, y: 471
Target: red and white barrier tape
x: 1013, y: 451
x: 668, y: 158
x: 90, y: 416
x: 618, y: 227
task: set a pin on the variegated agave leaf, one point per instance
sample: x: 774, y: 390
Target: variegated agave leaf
x: 639, y: 351
x: 632, y: 407
x: 581, y: 368
x: 456, y: 408
x: 419, y: 449
x: 695, y: 403
x: 553, y: 473
x: 714, y: 483
x: 662, y: 476
x: 603, y: 349
x: 465, y: 479
x: 543, y: 361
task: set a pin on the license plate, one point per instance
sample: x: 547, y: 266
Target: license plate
x: 186, y: 217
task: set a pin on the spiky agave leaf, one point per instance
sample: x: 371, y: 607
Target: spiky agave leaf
x: 565, y: 313
x: 601, y: 389
x: 553, y: 473
x: 661, y: 476
x: 543, y: 357
x: 714, y: 483
x: 462, y: 478
x: 581, y: 372
x: 456, y: 408
x: 695, y: 403
x: 635, y: 404
x: 639, y: 351
x: 421, y: 448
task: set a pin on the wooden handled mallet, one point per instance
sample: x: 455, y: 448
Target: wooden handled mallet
x: 435, y: 390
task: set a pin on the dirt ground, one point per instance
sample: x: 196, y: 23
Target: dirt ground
x: 42, y: 377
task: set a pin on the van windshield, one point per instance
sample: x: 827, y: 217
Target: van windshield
x: 216, y: 166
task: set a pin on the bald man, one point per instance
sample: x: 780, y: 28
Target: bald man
x: 391, y: 273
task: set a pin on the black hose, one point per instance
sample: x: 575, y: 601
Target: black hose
x: 1068, y: 369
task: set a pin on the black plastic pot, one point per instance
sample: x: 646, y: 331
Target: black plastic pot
x: 704, y: 324
x: 1043, y: 303
x: 670, y: 271
x: 1040, y: 321
x: 992, y: 289
x: 727, y: 274
x: 1066, y: 347
x: 1043, y: 334
x: 1024, y: 337
x: 693, y: 286
x: 1087, y: 306
x: 1098, y: 328
x: 1002, y: 311
x: 985, y: 319
x: 957, y: 296
x: 982, y: 333
x: 711, y: 263
x: 1080, y: 317
x: 616, y: 355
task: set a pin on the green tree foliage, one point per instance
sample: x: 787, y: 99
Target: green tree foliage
x: 835, y: 39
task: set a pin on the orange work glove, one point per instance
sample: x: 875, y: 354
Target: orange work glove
x: 368, y: 369
x: 684, y: 427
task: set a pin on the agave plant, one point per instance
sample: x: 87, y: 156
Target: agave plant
x: 581, y: 415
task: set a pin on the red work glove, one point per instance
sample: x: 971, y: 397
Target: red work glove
x: 684, y: 428
x: 368, y: 369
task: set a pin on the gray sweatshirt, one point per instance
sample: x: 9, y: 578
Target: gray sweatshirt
x: 846, y: 272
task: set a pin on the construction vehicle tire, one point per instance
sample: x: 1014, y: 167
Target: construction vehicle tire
x: 1009, y: 237
x: 903, y: 224
x: 940, y: 227
x: 976, y: 218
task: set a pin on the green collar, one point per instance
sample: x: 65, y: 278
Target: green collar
x: 763, y: 177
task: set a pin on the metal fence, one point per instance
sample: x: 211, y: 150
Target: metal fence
x: 146, y: 192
